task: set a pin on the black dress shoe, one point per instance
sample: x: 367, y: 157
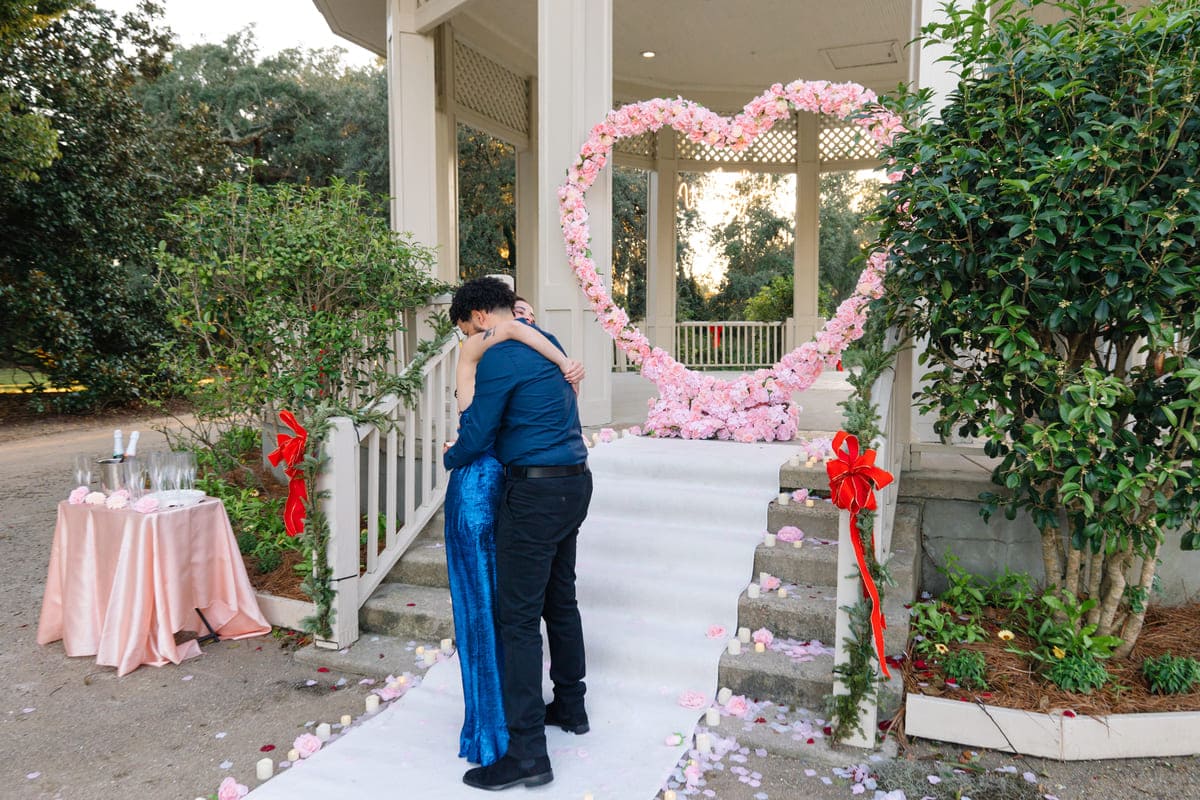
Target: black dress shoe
x: 571, y: 723
x: 509, y: 772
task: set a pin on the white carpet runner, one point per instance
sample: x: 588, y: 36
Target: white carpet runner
x: 666, y: 550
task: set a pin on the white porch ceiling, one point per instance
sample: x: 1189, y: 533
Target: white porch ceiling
x: 704, y: 48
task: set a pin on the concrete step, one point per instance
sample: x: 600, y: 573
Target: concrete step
x: 808, y: 613
x: 408, y: 611
x: 423, y: 564
x: 813, y: 478
x: 818, y: 521
x: 374, y: 655
x: 778, y: 677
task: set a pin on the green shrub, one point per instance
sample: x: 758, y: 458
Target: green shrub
x: 968, y: 668
x: 1043, y: 236
x: 1077, y: 673
x: 936, y: 626
x: 1168, y: 674
x: 964, y: 594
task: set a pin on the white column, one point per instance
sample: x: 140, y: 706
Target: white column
x: 525, y: 192
x: 806, y: 257
x: 574, y: 92
x: 925, y: 72
x: 660, y: 245
x: 412, y: 128
x: 446, y: 164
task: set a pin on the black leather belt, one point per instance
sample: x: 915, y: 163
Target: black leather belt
x: 546, y: 472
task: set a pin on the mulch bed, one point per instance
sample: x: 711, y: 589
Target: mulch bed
x: 1012, y: 682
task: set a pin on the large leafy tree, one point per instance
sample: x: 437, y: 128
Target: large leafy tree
x: 487, y: 211
x: 75, y: 278
x: 28, y: 141
x: 1045, y: 241
x: 299, y: 116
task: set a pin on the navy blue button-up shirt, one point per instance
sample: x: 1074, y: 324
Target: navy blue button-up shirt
x: 525, y: 406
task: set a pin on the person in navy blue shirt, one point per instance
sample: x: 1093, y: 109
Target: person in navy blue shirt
x: 526, y: 411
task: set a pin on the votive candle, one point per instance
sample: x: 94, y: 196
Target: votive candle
x: 782, y: 592
x: 724, y: 695
x: 769, y: 539
x: 372, y: 703
x: 743, y: 636
x: 346, y: 720
x: 752, y: 591
x: 783, y: 499
x: 734, y: 648
x: 712, y: 718
x: 809, y: 503
x: 447, y: 645
x: 798, y: 544
x: 669, y: 794
x: 759, y: 647
x: 324, y: 732
x: 264, y: 769
x: 294, y: 754
x: 703, y: 742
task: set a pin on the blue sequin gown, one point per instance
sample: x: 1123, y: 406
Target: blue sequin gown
x: 472, y: 499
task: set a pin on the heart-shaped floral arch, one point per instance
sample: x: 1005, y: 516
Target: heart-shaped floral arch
x: 757, y: 406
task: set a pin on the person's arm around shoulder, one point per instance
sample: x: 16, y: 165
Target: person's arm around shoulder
x: 494, y: 382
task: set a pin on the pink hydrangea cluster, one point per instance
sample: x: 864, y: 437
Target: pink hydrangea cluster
x: 77, y: 495
x: 789, y: 533
x: 230, y: 789
x: 755, y: 407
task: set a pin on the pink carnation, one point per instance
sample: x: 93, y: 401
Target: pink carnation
x: 716, y: 631
x: 306, y: 744
x: 737, y: 706
x: 763, y: 635
x: 77, y: 495
x: 230, y: 789
x: 690, y: 699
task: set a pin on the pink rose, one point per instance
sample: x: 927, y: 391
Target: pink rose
x: 693, y: 773
x: 117, y: 500
x: 230, y: 789
x: 77, y: 495
x: 306, y: 744
x: 95, y: 499
x: 692, y: 699
x: 789, y: 533
x: 716, y: 631
x: 763, y: 635
x: 737, y: 706
x: 674, y: 740
x: 769, y: 584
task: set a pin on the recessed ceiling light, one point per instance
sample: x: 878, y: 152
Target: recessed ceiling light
x: 648, y: 54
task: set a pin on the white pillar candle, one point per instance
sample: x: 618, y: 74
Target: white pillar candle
x: 324, y: 732
x: 762, y: 577
x: 752, y: 591
x: 759, y: 647
x: 264, y: 769
x: 372, y: 703
x: 724, y: 694
x: 808, y: 503
x: 782, y: 592
x: 430, y: 657
x: 669, y: 794
x: 769, y: 539
x: 734, y: 648
x: 447, y: 645
x: 783, y: 498
x: 712, y: 718
x: 294, y: 754
x: 743, y: 637
x: 346, y: 720
x: 798, y: 544
x: 596, y: 438
x: 703, y: 742
x: 794, y: 461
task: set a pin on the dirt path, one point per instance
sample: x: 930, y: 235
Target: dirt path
x: 157, y: 732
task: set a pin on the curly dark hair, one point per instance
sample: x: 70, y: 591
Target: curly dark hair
x: 480, y: 294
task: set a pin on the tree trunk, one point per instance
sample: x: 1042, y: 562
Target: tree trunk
x: 1114, y: 590
x: 1133, y: 623
x: 1071, y: 582
x: 1095, y: 575
x: 1050, y: 558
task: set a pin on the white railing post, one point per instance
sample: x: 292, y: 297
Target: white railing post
x: 339, y: 483
x: 849, y: 592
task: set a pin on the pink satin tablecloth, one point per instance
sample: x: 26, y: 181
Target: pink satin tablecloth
x: 121, y: 584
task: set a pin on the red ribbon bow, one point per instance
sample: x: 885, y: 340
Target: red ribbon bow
x: 853, y: 479
x: 291, y: 452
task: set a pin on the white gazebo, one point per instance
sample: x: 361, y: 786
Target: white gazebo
x: 539, y: 73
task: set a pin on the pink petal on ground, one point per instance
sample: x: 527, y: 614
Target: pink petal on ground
x: 32, y: 775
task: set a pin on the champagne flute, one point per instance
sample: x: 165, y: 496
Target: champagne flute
x: 83, y: 470
x: 133, y: 475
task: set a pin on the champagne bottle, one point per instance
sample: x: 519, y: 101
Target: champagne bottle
x: 131, y: 451
x: 118, y: 447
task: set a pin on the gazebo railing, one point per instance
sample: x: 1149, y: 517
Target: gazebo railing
x: 722, y: 344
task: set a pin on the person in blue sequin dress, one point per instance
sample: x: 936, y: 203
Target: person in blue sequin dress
x: 472, y: 499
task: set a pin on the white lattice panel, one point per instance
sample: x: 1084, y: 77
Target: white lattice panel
x: 644, y: 145
x: 490, y: 89
x: 776, y: 146
x: 841, y: 140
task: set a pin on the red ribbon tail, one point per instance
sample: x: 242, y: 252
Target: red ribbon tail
x: 293, y: 509
x: 877, y: 621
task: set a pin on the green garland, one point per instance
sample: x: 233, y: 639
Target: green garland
x: 858, y: 674
x: 318, y: 581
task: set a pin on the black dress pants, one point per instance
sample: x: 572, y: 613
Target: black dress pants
x: 536, y: 531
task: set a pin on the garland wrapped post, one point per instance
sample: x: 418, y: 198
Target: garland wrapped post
x: 853, y: 481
